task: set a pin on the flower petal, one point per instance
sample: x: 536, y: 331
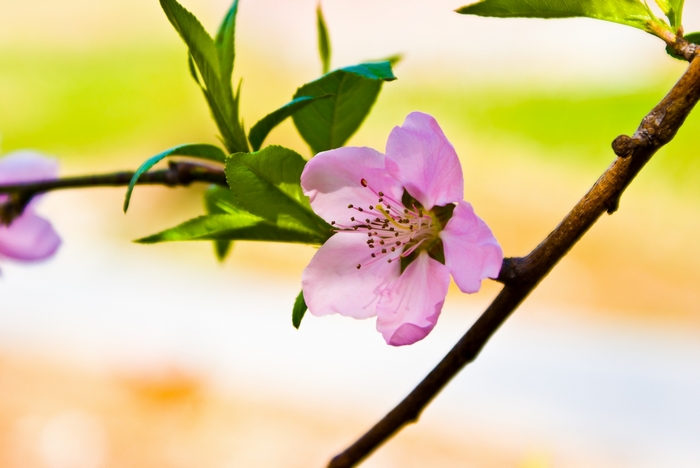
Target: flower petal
x: 333, y: 284
x: 27, y: 166
x: 472, y: 252
x: 419, y: 155
x: 333, y: 180
x: 29, y: 237
x: 410, y: 306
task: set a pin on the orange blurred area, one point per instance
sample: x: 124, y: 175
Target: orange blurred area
x: 61, y: 416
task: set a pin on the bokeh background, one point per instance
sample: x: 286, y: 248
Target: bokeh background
x: 114, y: 354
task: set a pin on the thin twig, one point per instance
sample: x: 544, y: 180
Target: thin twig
x: 178, y: 173
x: 521, y: 275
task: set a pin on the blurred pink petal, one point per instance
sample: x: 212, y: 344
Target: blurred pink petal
x: 28, y: 238
x: 471, y: 251
x: 27, y: 166
x: 358, y: 271
x: 409, y: 307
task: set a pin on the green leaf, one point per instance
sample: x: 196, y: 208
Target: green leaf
x: 299, y: 310
x: 215, y: 78
x: 225, y: 48
x: 392, y: 59
x: 225, y: 45
x: 193, y: 70
x: 629, y: 12
x: 199, y: 42
x: 202, y: 151
x: 260, y: 130
x: 267, y: 184
x: 692, y: 38
x: 675, y: 14
x: 216, y: 199
x: 328, y: 124
x: 664, y: 5
x: 673, y: 9
x: 372, y: 70
x: 324, y: 43
x: 236, y: 225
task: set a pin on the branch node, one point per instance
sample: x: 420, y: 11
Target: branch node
x: 623, y: 146
x: 685, y: 48
x: 612, y: 204
x: 508, y: 273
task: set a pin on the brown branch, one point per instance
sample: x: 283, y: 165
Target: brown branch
x: 521, y: 275
x: 178, y: 173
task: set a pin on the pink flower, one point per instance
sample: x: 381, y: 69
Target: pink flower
x: 29, y: 237
x: 402, y: 227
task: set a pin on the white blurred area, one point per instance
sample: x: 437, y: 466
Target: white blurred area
x: 200, y: 360
x: 436, y: 42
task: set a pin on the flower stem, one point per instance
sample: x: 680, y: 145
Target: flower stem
x: 177, y: 174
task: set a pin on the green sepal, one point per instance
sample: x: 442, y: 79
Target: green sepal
x: 328, y: 123
x: 299, y: 310
x: 267, y: 184
x: 260, y: 130
x: 202, y: 151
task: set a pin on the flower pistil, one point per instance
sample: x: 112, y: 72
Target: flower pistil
x: 393, y: 230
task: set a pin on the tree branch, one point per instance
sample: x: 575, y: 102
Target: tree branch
x: 522, y: 275
x: 178, y: 173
